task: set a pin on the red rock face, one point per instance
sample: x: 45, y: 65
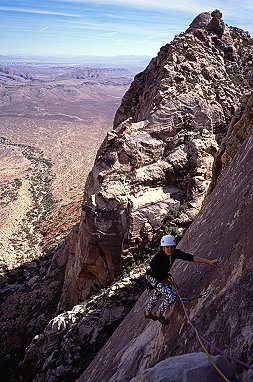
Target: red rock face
x: 239, y: 129
x: 160, y: 154
x: 222, y: 229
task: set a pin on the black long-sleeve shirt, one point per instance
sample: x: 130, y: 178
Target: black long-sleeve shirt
x: 161, y: 263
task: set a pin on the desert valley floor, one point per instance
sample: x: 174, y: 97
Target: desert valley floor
x: 52, y: 120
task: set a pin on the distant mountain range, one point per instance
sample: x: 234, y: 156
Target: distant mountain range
x: 98, y: 61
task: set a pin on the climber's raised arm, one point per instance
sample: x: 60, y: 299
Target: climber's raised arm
x: 197, y: 259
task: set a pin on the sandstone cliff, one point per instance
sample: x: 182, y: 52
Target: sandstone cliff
x: 223, y: 229
x: 160, y: 154
x: 168, y: 131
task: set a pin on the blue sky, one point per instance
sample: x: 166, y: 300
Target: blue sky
x: 105, y: 27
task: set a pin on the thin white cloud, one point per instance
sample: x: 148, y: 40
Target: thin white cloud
x: 140, y: 29
x: 183, y: 5
x: 108, y: 34
x: 82, y: 39
x: 229, y: 7
x: 37, y: 11
x: 43, y: 29
x: 112, y: 16
x: 128, y: 29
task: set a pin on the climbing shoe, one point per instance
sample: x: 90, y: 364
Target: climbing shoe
x: 162, y: 319
x: 150, y: 315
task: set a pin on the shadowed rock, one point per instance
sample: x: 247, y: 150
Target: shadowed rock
x: 187, y: 368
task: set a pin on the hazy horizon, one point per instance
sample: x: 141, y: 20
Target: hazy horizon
x: 128, y: 62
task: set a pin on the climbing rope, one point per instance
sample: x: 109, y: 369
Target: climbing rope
x: 201, y: 342
x: 202, y: 339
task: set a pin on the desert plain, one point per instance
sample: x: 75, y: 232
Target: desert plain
x: 53, y: 119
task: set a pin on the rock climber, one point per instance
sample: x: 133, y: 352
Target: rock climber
x: 157, y: 276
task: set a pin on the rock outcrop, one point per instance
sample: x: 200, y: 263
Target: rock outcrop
x: 72, y: 339
x: 187, y: 368
x: 160, y: 154
x: 223, y: 229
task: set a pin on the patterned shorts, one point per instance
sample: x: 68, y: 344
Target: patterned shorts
x: 160, y: 289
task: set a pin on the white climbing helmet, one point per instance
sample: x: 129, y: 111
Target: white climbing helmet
x: 168, y: 241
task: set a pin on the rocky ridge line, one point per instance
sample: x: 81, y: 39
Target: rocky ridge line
x: 160, y: 154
